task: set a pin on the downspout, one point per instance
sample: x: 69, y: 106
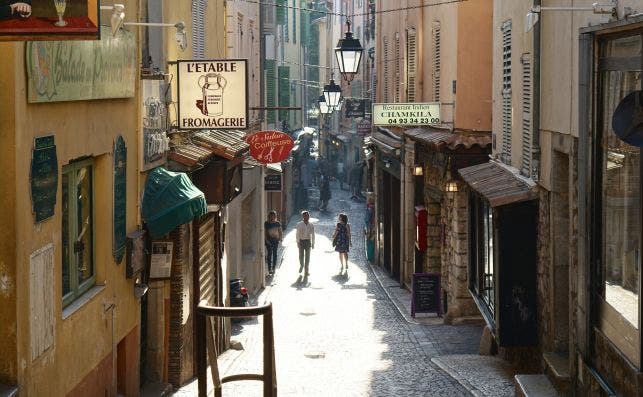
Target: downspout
x: 535, y: 152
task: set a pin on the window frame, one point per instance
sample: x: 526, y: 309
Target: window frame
x: 77, y: 289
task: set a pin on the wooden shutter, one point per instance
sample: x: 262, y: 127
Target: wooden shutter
x: 398, y: 67
x: 281, y: 12
x: 271, y: 80
x: 284, y: 90
x: 506, y: 92
x: 436, y: 61
x: 386, y: 76
x: 411, y: 64
x: 294, y: 21
x: 527, y: 136
x: 198, y: 28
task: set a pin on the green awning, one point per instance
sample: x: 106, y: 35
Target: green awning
x: 169, y: 200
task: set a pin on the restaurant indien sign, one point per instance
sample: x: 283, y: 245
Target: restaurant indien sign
x: 406, y: 113
x: 270, y: 146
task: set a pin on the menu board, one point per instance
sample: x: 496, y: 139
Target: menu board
x: 44, y: 177
x: 425, y: 294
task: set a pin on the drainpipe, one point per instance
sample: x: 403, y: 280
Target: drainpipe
x: 535, y: 157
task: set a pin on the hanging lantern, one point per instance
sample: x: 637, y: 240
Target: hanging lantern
x: 332, y: 94
x: 323, y: 106
x: 349, y: 54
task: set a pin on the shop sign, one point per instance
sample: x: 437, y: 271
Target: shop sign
x: 406, y: 113
x: 364, y: 127
x: 48, y: 20
x: 425, y: 294
x: 213, y: 94
x: 155, y: 144
x: 270, y: 146
x: 120, y: 198
x: 44, y: 177
x: 272, y: 183
x: 355, y: 108
x: 82, y: 70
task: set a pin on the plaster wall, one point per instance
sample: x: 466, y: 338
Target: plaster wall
x: 85, y: 337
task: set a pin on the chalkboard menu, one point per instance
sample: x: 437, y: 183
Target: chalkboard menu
x: 272, y: 183
x: 425, y: 295
x: 120, y: 198
x: 44, y: 177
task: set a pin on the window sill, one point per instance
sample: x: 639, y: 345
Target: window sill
x: 82, y: 300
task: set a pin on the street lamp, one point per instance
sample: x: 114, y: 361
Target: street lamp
x: 332, y: 94
x: 348, y: 53
x: 323, y: 106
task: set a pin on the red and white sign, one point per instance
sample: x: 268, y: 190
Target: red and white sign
x: 270, y: 146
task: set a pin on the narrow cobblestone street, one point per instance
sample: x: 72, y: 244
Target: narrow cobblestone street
x: 338, y: 336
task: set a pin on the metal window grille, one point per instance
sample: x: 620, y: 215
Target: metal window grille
x: 436, y: 62
x: 506, y: 92
x: 198, y: 28
x: 411, y: 64
x: 527, y: 139
x: 398, y: 67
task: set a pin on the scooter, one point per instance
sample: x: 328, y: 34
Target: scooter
x: 238, y: 293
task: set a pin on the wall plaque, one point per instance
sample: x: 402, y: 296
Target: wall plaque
x: 272, y: 183
x: 44, y: 177
x: 120, y: 198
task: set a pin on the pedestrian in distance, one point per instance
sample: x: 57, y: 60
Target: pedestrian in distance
x: 273, y: 236
x: 305, y: 235
x: 324, y: 192
x: 342, y: 241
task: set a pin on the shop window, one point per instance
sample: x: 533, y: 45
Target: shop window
x: 618, y: 190
x: 482, y: 279
x: 77, y: 229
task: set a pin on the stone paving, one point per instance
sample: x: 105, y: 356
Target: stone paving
x: 344, y: 336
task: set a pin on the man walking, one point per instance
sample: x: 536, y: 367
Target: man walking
x: 305, y: 241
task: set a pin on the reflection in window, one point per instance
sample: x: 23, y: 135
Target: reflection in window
x: 487, y: 243
x: 621, y: 190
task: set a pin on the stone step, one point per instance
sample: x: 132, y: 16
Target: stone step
x: 557, y: 368
x: 534, y: 386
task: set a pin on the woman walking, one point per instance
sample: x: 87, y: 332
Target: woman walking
x: 273, y: 237
x: 342, y: 241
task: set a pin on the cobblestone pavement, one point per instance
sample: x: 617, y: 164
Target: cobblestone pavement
x: 343, y: 336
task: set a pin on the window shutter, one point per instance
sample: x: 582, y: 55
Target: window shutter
x: 294, y: 21
x: 373, y: 85
x: 284, y: 90
x: 411, y: 64
x: 281, y: 12
x: 436, y: 62
x: 304, y: 23
x: 270, y: 89
x: 527, y: 138
x: 506, y: 92
x: 268, y: 19
x: 198, y: 28
x: 386, y: 76
x: 398, y: 67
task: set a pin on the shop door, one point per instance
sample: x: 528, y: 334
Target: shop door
x: 395, y: 228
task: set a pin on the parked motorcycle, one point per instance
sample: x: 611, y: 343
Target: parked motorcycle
x: 238, y: 293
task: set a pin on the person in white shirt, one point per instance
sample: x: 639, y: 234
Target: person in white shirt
x: 305, y: 241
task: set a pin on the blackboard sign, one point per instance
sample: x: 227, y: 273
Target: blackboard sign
x: 425, y: 296
x: 44, y: 177
x: 120, y: 198
x: 272, y: 183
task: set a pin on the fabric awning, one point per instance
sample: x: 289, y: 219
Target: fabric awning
x: 497, y: 184
x: 169, y: 200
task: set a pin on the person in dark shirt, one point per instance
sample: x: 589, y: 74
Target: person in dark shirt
x: 273, y: 236
x: 12, y: 8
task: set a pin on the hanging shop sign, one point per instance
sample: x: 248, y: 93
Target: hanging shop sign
x: 48, y: 20
x: 44, y: 177
x: 406, y: 113
x: 120, y: 198
x: 364, y: 127
x: 82, y: 70
x: 272, y: 183
x: 270, y: 146
x: 213, y: 94
x: 155, y: 143
x: 355, y: 107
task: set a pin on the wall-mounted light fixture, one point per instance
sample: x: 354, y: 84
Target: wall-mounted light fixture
x: 451, y: 186
x: 532, y: 17
x: 417, y: 170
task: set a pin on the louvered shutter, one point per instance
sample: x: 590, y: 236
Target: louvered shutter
x: 304, y: 23
x: 386, y: 77
x: 437, y: 64
x: 411, y: 65
x: 313, y: 53
x: 506, y: 92
x: 398, y: 67
x: 294, y: 21
x: 527, y: 136
x: 270, y: 89
x: 281, y: 12
x: 198, y: 28
x: 373, y: 85
x: 268, y: 19
x: 284, y: 90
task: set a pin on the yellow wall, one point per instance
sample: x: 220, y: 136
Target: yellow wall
x: 81, y: 128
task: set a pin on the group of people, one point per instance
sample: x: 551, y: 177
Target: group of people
x: 305, y: 237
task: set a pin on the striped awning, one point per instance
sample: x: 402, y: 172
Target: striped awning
x: 497, y: 184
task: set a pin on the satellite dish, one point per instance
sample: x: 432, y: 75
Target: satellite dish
x: 627, y: 120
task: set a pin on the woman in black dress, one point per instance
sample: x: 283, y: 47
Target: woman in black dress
x: 342, y: 241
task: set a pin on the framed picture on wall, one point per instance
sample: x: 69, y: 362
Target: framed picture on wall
x: 161, y: 259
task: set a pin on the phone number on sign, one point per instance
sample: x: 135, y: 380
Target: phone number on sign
x: 433, y: 120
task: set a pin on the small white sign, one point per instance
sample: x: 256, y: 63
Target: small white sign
x: 161, y: 259
x: 213, y: 94
x: 406, y: 113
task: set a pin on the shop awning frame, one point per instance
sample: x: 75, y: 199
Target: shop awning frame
x: 497, y: 184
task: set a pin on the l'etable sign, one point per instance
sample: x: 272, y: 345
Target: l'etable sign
x: 406, y: 113
x: 213, y: 94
